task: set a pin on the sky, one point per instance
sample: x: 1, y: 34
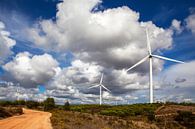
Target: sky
x: 59, y: 48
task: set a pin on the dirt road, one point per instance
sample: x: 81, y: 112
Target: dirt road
x: 29, y: 120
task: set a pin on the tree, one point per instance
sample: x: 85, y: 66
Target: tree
x: 49, y: 104
x: 67, y: 105
x: 20, y: 102
x: 32, y: 104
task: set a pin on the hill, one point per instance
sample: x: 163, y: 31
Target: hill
x: 136, y: 116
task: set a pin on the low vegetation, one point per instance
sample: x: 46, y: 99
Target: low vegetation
x: 186, y: 118
x: 76, y: 120
x: 10, y: 111
x: 12, y: 108
x: 49, y: 104
x: 169, y: 115
x: 135, y: 116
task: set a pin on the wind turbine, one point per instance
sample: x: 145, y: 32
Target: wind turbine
x: 18, y: 94
x: 101, y: 86
x: 150, y: 56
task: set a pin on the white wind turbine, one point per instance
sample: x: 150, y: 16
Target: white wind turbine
x: 150, y: 56
x: 18, y: 94
x: 101, y: 86
x: 18, y: 91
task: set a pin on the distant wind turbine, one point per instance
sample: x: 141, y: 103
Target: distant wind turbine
x: 18, y: 94
x: 101, y: 86
x: 150, y: 56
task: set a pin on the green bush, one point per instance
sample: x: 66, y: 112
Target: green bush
x: 5, y: 103
x: 66, y: 105
x: 131, y: 110
x: 49, y: 104
x: 32, y: 104
x: 19, y: 102
x: 15, y: 110
x: 120, y: 113
x: 4, y: 113
x: 186, y: 118
x: 151, y: 116
x: 10, y: 111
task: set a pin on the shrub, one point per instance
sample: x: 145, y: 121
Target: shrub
x: 19, y: 102
x: 32, y: 104
x: 15, y: 110
x: 186, y: 118
x: 5, y: 103
x: 4, y: 113
x: 115, y: 112
x: 151, y: 116
x: 10, y: 111
x: 49, y: 104
x: 66, y: 105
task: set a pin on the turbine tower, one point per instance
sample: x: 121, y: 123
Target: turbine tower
x: 101, y: 86
x: 150, y: 56
x: 18, y: 94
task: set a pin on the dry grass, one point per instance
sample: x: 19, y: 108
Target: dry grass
x: 138, y: 116
x: 75, y: 120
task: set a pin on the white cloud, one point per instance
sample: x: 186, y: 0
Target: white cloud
x: 107, y: 41
x: 190, y: 23
x: 112, y: 38
x: 78, y: 73
x: 176, y: 25
x: 6, y: 43
x: 13, y: 91
x: 180, y: 75
x: 32, y: 70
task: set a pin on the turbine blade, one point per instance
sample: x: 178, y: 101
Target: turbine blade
x: 105, y: 88
x: 138, y: 63
x: 148, y: 42
x: 101, y: 78
x: 93, y: 86
x: 169, y: 59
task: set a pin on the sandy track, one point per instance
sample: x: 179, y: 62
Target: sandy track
x: 31, y: 119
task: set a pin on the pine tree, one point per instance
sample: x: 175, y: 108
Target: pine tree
x: 67, y: 105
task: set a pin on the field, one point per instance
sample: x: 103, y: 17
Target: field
x: 80, y: 120
x: 135, y: 116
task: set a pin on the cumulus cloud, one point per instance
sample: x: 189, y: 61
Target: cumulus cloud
x: 76, y: 80
x: 180, y: 75
x: 73, y: 83
x: 6, y: 43
x: 72, y: 77
x: 31, y: 70
x: 112, y: 38
x: 13, y: 91
x: 176, y: 26
x: 190, y: 23
x: 101, y: 41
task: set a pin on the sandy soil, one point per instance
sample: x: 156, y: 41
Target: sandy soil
x: 31, y: 119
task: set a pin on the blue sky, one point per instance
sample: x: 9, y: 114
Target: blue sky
x: 19, y: 15
x: 160, y: 12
